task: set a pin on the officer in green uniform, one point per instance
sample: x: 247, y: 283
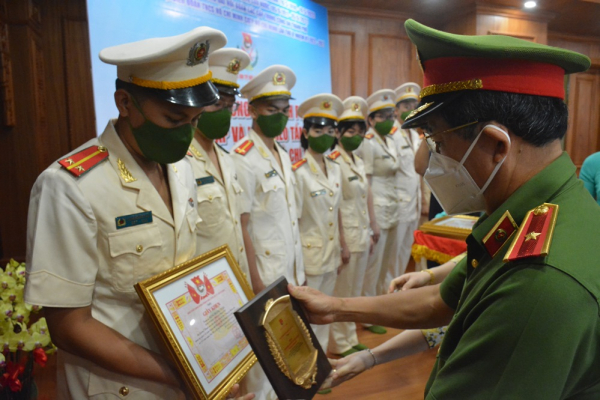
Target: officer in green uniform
x: 525, y: 301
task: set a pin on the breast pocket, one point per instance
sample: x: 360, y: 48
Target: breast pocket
x: 274, y: 192
x: 271, y: 259
x: 211, y: 205
x: 134, y: 253
x: 312, y: 251
x: 105, y: 385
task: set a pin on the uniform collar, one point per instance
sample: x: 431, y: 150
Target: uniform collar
x: 266, y: 153
x: 543, y: 187
x: 201, y: 155
x: 386, y: 143
x: 316, y: 169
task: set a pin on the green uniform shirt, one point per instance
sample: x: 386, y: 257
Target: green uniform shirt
x: 527, y: 329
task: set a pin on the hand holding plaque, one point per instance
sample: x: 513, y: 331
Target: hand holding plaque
x: 284, y: 343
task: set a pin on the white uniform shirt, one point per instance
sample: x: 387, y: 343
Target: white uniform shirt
x: 318, y: 200
x: 77, y: 256
x: 355, y: 191
x: 218, y: 203
x: 410, y: 181
x: 268, y: 196
x: 381, y: 161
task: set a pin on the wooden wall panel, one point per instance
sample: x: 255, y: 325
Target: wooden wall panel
x: 389, y: 61
x: 380, y: 52
x: 342, y: 47
x: 583, y: 134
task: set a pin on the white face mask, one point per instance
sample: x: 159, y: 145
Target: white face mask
x: 453, y: 186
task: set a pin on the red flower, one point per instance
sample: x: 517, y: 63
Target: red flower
x: 11, y: 377
x: 40, y: 357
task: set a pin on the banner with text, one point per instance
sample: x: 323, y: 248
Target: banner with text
x: 288, y: 32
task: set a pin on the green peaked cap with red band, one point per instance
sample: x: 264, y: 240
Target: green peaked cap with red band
x: 454, y: 63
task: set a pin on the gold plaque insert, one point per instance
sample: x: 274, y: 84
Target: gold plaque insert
x: 290, y: 342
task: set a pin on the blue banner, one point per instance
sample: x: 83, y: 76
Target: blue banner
x: 292, y: 33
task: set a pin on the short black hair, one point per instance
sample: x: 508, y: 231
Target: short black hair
x: 538, y: 120
x: 343, y: 126
x: 411, y: 100
x: 308, y: 123
x: 139, y: 93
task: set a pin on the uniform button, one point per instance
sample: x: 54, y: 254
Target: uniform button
x: 364, y: 212
x: 236, y: 222
x: 293, y: 223
x: 274, y: 186
x: 330, y: 208
x: 364, y: 227
x: 364, y: 196
x: 139, y: 248
x: 210, y: 198
x: 331, y: 224
x: 308, y: 245
x: 268, y: 252
x: 474, y: 263
x: 330, y: 237
x: 124, y: 391
x: 331, y: 194
x: 241, y: 249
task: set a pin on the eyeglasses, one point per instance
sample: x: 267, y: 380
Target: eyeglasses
x: 233, y: 107
x: 433, y: 145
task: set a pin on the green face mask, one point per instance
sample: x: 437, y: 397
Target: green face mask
x: 320, y: 144
x: 383, y: 128
x: 215, y: 125
x: 162, y: 145
x: 351, y: 143
x: 272, y: 125
x: 404, y: 115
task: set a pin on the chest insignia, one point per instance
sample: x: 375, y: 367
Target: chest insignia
x: 124, y: 172
x: 334, y: 155
x: 194, y: 151
x: 299, y: 164
x: 126, y: 221
x: 535, y: 233
x: 82, y: 162
x: 318, y: 193
x: 271, y: 174
x: 205, y: 181
x: 243, y: 148
x: 500, y: 234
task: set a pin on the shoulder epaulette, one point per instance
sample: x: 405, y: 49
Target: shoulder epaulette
x: 244, y: 147
x: 85, y: 160
x: 334, y: 155
x: 299, y: 164
x: 394, y: 129
x: 222, y: 148
x: 369, y: 136
x: 535, y: 233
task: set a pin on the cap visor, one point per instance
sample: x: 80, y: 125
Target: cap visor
x: 201, y: 95
x: 436, y: 103
x: 321, y: 121
x: 228, y: 89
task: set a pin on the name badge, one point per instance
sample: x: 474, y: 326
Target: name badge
x: 406, y: 147
x: 205, y: 181
x: 353, y: 178
x: 384, y: 157
x: 271, y: 174
x: 126, y: 221
x: 318, y: 193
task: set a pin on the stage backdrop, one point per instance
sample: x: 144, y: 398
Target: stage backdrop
x: 292, y: 33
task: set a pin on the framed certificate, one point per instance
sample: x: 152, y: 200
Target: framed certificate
x: 192, y: 306
x: 453, y: 227
x: 284, y: 343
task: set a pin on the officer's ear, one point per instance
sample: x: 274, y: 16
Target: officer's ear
x: 252, y: 110
x: 304, y: 133
x: 499, y: 141
x: 123, y: 102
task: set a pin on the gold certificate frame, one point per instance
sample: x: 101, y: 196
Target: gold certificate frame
x: 192, y: 307
x: 450, y: 226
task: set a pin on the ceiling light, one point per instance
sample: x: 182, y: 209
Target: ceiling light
x: 530, y: 4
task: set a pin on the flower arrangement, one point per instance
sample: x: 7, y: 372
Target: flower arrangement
x: 24, y: 343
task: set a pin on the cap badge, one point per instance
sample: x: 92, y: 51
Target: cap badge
x: 385, y: 97
x: 409, y: 89
x: 198, y: 53
x: 355, y: 107
x: 325, y: 105
x: 279, y: 78
x: 234, y: 66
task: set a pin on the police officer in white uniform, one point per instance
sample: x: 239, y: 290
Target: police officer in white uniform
x: 378, y: 152
x: 318, y: 197
x: 409, y: 193
x: 268, y: 207
x: 118, y: 210
x: 218, y: 189
x: 355, y: 194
